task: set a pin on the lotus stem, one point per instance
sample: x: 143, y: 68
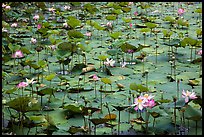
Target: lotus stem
x: 175, y: 115
x: 178, y: 82
x: 95, y: 90
x: 119, y: 123
x: 154, y: 122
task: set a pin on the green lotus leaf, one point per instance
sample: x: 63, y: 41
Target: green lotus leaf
x: 192, y: 113
x: 50, y: 77
x: 111, y: 17
x: 38, y: 119
x: 126, y: 20
x: 102, y: 57
x: 23, y: 104
x: 73, y: 22
x: 75, y: 34
x: 126, y: 9
x: 198, y: 10
x: 73, y: 130
x: 97, y: 121
x: 73, y: 108
x: 115, y: 35
x: 106, y: 80
x: 10, y: 91
x: 145, y: 30
x: 170, y: 19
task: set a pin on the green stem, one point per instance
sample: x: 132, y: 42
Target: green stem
x: 119, y: 123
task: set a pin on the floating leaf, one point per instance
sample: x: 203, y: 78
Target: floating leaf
x: 120, y: 108
x: 111, y: 17
x: 73, y: 108
x: 115, y: 35
x: 192, y: 114
x: 73, y: 22
x: 38, y: 119
x: 106, y: 81
x: 50, y: 77
x: 193, y: 82
x: 75, y: 34
x: 23, y: 104
x: 73, y: 130
x: 110, y: 116
x: 139, y: 120
x: 97, y: 121
x: 102, y: 57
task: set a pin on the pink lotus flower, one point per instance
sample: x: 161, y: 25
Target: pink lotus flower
x: 52, y: 10
x: 130, y: 3
x: 3, y: 5
x: 151, y: 103
x: 95, y: 77
x: 130, y: 51
x: 14, y: 25
x: 109, y: 24
x: 4, y: 30
x: 139, y: 103
x: 22, y: 85
x: 33, y: 40
x: 88, y: 34
x: 146, y: 97
x: 123, y: 64
x: 39, y: 26
x: 30, y: 81
x: 181, y: 11
x: 36, y: 17
x: 199, y: 52
x: 135, y: 13
x: 188, y: 95
x: 109, y: 62
x: 65, y: 25
x: 130, y: 25
x: 8, y: 7
x: 53, y: 47
x: 18, y: 54
x: 67, y: 7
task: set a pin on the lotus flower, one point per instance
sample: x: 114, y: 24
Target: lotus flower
x: 88, y: 34
x: 8, y: 7
x: 39, y: 26
x: 181, y: 11
x: 67, y: 7
x: 130, y: 51
x: 33, y: 40
x: 151, y: 103
x: 109, y: 62
x: 95, y: 77
x: 14, y: 25
x: 130, y: 25
x: 199, y: 52
x: 135, y: 13
x: 53, y: 47
x: 65, y: 25
x: 36, y: 17
x: 139, y: 103
x: 3, y: 5
x: 52, y: 10
x: 130, y: 3
x: 188, y: 95
x: 123, y: 64
x: 18, y: 54
x: 146, y: 97
x: 4, y: 30
x: 22, y: 85
x: 109, y: 24
x: 30, y: 81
